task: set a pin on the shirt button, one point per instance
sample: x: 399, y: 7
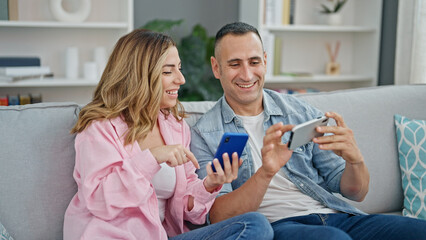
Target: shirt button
x: 301, y: 184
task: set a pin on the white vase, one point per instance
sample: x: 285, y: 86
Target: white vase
x: 60, y: 14
x: 334, y: 19
x: 100, y: 57
x: 71, y: 63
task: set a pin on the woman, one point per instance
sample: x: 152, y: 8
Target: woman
x: 135, y: 175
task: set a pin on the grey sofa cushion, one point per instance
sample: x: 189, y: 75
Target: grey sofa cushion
x: 36, y: 164
x: 369, y: 112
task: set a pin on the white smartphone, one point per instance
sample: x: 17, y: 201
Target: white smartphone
x: 305, y: 132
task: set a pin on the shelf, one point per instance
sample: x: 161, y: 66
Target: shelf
x: 318, y: 28
x: 50, y: 82
x: 54, y: 24
x: 318, y: 79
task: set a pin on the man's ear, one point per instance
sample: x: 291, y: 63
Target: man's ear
x: 265, y: 59
x: 215, y: 67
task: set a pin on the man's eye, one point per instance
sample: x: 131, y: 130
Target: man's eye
x: 254, y: 63
x: 234, y: 64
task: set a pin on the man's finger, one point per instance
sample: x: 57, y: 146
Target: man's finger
x: 337, y: 117
x: 274, y: 127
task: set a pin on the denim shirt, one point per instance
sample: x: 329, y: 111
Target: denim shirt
x: 315, y: 172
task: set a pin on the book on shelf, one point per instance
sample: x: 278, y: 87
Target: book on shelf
x: 296, y: 74
x: 277, y: 55
x: 13, y: 100
x: 9, y: 61
x: 24, y: 71
x: 8, y: 10
x: 4, y: 101
x: 26, y: 77
x: 292, y: 11
x: 20, y: 99
x: 278, y: 12
x: 269, y: 44
x: 13, y: 10
x: 296, y: 90
x: 4, y: 10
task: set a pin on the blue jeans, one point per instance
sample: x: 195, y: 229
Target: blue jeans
x: 251, y: 225
x: 345, y: 226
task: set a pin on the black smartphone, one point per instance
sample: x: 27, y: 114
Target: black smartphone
x: 305, y: 132
x: 230, y: 143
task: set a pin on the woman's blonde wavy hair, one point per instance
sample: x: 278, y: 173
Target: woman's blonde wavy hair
x: 131, y: 85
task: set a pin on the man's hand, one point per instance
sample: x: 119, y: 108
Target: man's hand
x: 355, y: 177
x: 342, y: 142
x: 275, y: 154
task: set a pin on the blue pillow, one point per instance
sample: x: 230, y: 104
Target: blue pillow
x: 4, y: 234
x: 412, y: 161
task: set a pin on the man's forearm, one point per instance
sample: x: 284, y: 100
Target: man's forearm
x: 355, y: 181
x: 246, y: 198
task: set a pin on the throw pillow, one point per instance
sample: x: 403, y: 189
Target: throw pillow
x: 4, y: 234
x: 412, y: 161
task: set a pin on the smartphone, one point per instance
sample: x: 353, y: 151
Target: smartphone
x: 231, y: 142
x: 305, y: 132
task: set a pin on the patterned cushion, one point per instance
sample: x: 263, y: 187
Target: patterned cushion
x: 4, y: 234
x: 412, y: 160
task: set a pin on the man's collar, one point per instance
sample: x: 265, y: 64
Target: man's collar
x: 269, y: 107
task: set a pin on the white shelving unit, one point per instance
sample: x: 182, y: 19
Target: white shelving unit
x: 37, y: 33
x: 303, y: 44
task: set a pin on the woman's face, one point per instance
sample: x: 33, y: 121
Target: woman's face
x: 171, y: 78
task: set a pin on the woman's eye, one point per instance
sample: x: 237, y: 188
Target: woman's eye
x: 167, y: 73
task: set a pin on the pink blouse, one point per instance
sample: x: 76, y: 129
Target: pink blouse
x: 115, y: 197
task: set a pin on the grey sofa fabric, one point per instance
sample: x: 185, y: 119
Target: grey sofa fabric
x: 36, y: 165
x: 37, y: 153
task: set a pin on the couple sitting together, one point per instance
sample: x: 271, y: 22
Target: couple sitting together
x: 142, y: 173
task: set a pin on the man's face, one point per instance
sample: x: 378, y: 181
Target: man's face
x: 240, y: 64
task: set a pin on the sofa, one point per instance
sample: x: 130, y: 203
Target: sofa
x: 37, y: 153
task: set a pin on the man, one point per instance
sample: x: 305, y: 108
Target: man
x: 293, y: 189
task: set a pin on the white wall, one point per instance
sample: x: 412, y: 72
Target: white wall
x: 211, y: 14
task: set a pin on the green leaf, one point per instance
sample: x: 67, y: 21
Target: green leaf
x: 339, y: 5
x: 200, y: 32
x: 161, y: 25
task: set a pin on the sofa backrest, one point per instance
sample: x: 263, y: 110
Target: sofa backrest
x: 36, y: 164
x: 37, y: 153
x: 369, y: 113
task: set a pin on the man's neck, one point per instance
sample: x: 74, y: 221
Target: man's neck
x: 252, y: 109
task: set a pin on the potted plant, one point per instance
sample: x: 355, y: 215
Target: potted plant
x: 332, y: 10
x: 194, y: 51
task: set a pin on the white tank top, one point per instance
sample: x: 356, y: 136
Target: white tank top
x: 164, y: 183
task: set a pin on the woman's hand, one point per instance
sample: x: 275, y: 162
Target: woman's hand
x: 174, y: 155
x: 221, y: 176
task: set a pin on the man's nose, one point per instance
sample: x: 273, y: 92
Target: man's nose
x: 246, y: 73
